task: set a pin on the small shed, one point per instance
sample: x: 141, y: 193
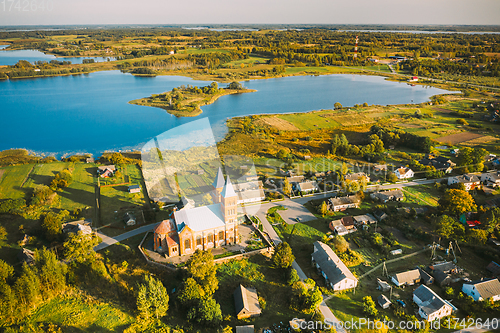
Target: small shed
x: 383, y: 285
x: 383, y: 301
x: 245, y: 329
x: 134, y: 189
x: 246, y: 302
x: 129, y: 219
x: 26, y: 256
x: 396, y: 252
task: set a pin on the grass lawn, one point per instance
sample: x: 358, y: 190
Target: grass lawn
x: 12, y: 179
x: 422, y: 195
x: 116, y: 200
x: 380, y: 68
x: 76, y: 314
x: 271, y: 287
x: 310, y: 121
x: 196, y: 51
x: 81, y: 192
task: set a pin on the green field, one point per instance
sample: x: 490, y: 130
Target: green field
x: 422, y: 195
x: 380, y: 68
x: 257, y: 272
x: 12, y: 179
x: 310, y: 121
x: 196, y: 50
x: 116, y: 201
x: 76, y: 314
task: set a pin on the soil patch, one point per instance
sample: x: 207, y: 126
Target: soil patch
x: 278, y: 123
x: 460, y: 137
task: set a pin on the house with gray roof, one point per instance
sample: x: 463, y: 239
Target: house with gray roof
x: 246, y: 302
x: 430, y: 305
x: 355, y: 177
x: 307, y: 187
x: 484, y: 289
x: 329, y: 265
x: 343, y: 203
x: 469, y: 180
x: 385, y: 196
x: 383, y: 301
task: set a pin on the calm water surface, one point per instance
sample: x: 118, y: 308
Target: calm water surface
x: 90, y: 113
x: 12, y: 57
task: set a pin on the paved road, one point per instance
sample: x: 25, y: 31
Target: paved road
x: 107, y: 241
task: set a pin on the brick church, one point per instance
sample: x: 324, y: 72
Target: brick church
x: 201, y: 227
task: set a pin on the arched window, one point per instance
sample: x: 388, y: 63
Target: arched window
x: 210, y: 238
x: 187, y: 244
x: 221, y: 235
x: 198, y: 240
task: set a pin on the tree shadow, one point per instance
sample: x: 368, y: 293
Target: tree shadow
x: 42, y: 179
x: 79, y: 196
x: 91, y: 171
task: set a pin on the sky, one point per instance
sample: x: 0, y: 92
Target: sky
x: 408, y: 12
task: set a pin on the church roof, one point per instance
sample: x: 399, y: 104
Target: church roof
x: 228, y: 190
x: 219, y: 179
x: 164, y: 227
x: 199, y: 218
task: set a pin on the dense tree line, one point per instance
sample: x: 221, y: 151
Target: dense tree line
x: 402, y: 138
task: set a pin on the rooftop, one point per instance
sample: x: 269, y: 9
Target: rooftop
x: 200, y: 218
x: 331, y: 264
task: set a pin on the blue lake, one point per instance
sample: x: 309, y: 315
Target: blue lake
x: 90, y: 113
x: 8, y: 57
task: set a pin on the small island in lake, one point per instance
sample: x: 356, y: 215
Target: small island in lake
x: 185, y: 101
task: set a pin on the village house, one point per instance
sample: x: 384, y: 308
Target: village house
x: 294, y: 180
x: 484, y: 289
x: 329, y: 265
x: 356, y: 177
x: 343, y: 203
x: 385, y: 196
x: 494, y: 269
x: 404, y: 173
x: 105, y: 171
x: 246, y: 302
x: 75, y: 227
x: 426, y: 277
x: 339, y: 229
x: 407, y: 278
x: 205, y: 227
x: 134, y: 189
x: 469, y: 180
x: 380, y: 167
x: 364, y: 219
x: 491, y: 179
x: 440, y: 163
x: 430, y: 305
x: 307, y: 187
x: 250, y: 191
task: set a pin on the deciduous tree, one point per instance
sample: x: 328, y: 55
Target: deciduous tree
x: 152, y: 298
x: 456, y: 202
x: 283, y: 256
x: 202, y: 269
